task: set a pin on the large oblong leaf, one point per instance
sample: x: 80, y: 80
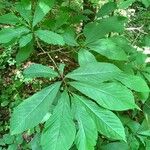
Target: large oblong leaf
x: 24, y: 40
x: 112, y: 96
x: 50, y: 37
x: 59, y: 130
x: 25, y: 10
x: 85, y: 57
x: 96, y: 30
x: 106, y: 9
x: 109, y: 49
x: 38, y: 70
x: 31, y: 111
x: 94, y: 72
x: 24, y: 52
x: 106, y: 121
x: 87, y: 133
x: 135, y: 83
x: 42, y: 8
x: 8, y: 34
x: 9, y: 18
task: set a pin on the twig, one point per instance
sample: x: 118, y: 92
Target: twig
x: 138, y: 35
x: 134, y: 29
x: 39, y: 45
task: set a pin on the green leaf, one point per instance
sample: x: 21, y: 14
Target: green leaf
x: 146, y: 40
x: 12, y: 147
x: 59, y: 132
x: 109, y: 49
x: 62, y: 17
x: 146, y: 3
x: 96, y: 30
x: 8, y: 139
x: 50, y: 37
x: 35, y: 143
x: 123, y: 4
x: 107, y: 122
x: 24, y: 40
x: 94, y: 72
x: 85, y: 57
x: 9, y: 19
x: 133, y: 142
x: 24, y: 52
x: 145, y: 127
x: 123, y: 43
x: 135, y: 83
x: 143, y: 96
x: 87, y: 133
x: 8, y: 34
x: 115, y: 145
x: 42, y: 8
x: 32, y: 110
x: 69, y: 37
x: 147, y: 144
x: 112, y: 96
x: 106, y: 9
x: 38, y: 70
x: 25, y: 10
x: 147, y: 76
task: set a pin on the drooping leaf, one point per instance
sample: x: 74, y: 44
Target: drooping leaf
x: 25, y: 10
x: 87, y: 132
x: 106, y: 121
x: 94, y: 72
x: 133, y: 142
x: 143, y: 96
x: 62, y: 17
x: 135, y: 83
x: 147, y: 144
x: 31, y: 112
x: 8, y: 34
x: 125, y: 4
x: 38, y: 70
x: 146, y: 3
x: 24, y: 52
x: 146, y: 40
x: 109, y: 49
x: 35, y: 143
x: 115, y: 145
x: 106, y: 9
x: 123, y: 43
x: 112, y: 96
x: 42, y: 8
x: 69, y: 37
x: 147, y: 76
x: 85, y: 57
x: 50, y: 37
x: 9, y: 19
x: 96, y: 30
x: 24, y: 40
x: 59, y: 132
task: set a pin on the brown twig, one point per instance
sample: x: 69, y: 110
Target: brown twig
x: 55, y: 65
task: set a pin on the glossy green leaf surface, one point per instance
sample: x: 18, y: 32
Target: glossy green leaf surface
x: 31, y: 112
x: 38, y: 70
x: 94, y: 72
x: 112, y: 96
x: 50, y: 37
x: 107, y: 122
x: 59, y: 132
x: 87, y: 134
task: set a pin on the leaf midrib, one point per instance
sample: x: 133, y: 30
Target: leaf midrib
x: 36, y: 106
x: 100, y: 118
